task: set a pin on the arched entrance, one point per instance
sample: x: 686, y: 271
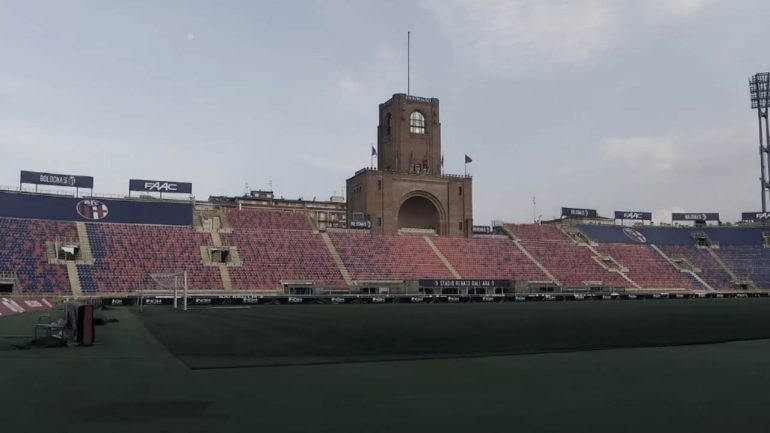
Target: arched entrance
x: 419, y: 212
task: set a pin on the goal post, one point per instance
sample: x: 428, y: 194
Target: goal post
x: 172, y: 281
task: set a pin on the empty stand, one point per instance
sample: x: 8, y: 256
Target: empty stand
x: 270, y: 256
x: 23, y: 252
x: 648, y: 268
x: 751, y: 262
x: 572, y: 264
x: 125, y: 254
x: 495, y: 258
x: 370, y: 256
x: 710, y: 270
x: 538, y: 232
x: 268, y: 219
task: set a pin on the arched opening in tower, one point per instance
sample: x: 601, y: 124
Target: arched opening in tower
x: 418, y: 213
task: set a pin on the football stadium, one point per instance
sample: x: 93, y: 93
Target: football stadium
x: 391, y: 306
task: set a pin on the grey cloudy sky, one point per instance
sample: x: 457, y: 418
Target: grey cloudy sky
x: 607, y: 104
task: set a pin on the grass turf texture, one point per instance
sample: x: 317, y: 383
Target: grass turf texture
x: 308, y: 334
x: 130, y: 382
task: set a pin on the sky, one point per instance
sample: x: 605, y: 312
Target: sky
x: 638, y: 105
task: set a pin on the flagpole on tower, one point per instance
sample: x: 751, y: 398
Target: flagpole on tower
x: 374, y: 153
x: 408, y: 60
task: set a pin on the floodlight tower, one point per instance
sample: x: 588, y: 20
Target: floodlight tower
x: 759, y: 87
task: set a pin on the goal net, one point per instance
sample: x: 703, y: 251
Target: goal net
x: 166, y: 283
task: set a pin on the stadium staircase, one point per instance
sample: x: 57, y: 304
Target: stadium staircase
x: 74, y: 279
x: 86, y: 255
x: 736, y: 279
x: 583, y: 240
x: 442, y: 258
x: 693, y: 274
x: 532, y: 258
x: 621, y: 271
x: 86, y: 258
x: 214, y: 221
x: 224, y: 271
x: 337, y: 259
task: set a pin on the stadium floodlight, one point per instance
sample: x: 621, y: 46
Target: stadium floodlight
x: 759, y: 89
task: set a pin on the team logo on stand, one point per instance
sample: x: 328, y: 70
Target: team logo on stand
x: 92, y: 209
x: 634, y: 235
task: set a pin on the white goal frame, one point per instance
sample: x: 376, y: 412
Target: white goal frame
x: 168, y: 280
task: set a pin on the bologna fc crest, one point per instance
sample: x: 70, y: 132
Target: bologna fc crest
x: 92, y: 209
x: 634, y: 235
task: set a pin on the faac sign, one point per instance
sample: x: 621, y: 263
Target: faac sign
x: 159, y: 186
x: 755, y: 216
x: 625, y: 215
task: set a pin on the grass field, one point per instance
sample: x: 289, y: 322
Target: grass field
x: 139, y: 377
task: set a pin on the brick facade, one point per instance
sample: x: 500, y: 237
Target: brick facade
x: 408, y: 189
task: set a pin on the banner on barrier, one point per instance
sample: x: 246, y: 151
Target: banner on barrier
x: 482, y: 230
x: 464, y: 283
x: 755, y: 216
x: 695, y: 216
x: 37, y: 206
x: 633, y: 215
x: 159, y: 186
x: 571, y: 212
x: 39, y: 178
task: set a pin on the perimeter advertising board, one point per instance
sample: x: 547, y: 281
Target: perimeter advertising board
x: 464, y: 283
x: 19, y: 205
x: 159, y: 186
x: 633, y: 215
x: 695, y: 216
x: 755, y: 216
x: 571, y: 212
x: 40, y: 178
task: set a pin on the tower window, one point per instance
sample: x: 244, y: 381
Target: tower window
x: 417, y: 123
x: 388, y: 122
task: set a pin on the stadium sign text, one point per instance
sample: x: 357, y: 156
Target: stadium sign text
x: 69, y: 180
x: 418, y: 99
x: 360, y: 225
x: 702, y: 216
x: 755, y: 216
x: 570, y: 212
x: 159, y: 186
x: 640, y: 216
x: 465, y: 283
x: 482, y: 230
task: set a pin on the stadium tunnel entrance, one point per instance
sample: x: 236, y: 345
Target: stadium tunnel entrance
x: 420, y: 211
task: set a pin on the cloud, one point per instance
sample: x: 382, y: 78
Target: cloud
x: 659, y: 153
x: 678, y: 8
x: 506, y: 35
x: 350, y: 85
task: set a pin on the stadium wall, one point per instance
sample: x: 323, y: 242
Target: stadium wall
x: 96, y: 210
x: 673, y: 235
